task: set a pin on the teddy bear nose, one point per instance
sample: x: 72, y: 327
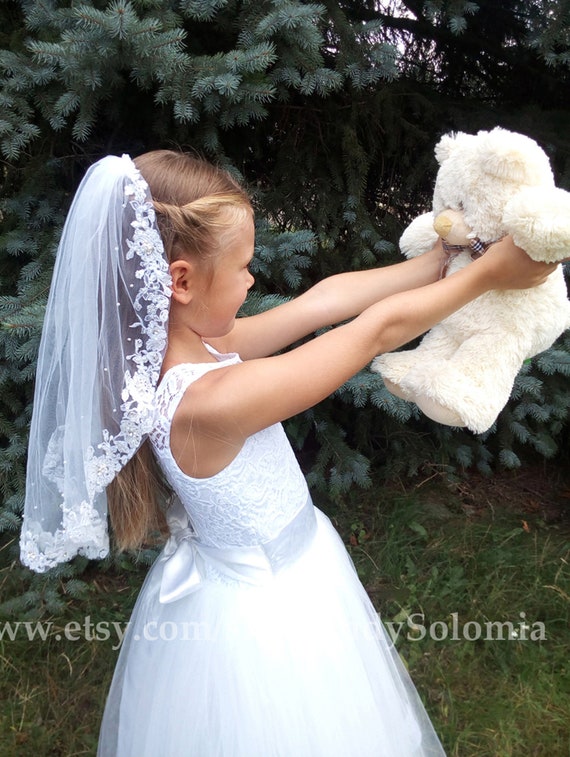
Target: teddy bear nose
x: 442, y: 225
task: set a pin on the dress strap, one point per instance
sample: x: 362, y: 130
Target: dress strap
x: 171, y: 389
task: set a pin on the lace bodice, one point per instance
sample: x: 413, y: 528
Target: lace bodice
x: 252, y: 498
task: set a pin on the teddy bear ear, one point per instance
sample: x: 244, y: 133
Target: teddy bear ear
x: 444, y: 147
x: 512, y: 157
x: 450, y: 144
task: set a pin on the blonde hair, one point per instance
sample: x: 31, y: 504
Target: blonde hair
x: 195, y: 203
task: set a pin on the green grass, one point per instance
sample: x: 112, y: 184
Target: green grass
x: 424, y: 561
x: 426, y: 564
x: 52, y: 691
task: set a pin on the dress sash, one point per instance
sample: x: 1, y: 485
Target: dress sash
x: 186, y: 559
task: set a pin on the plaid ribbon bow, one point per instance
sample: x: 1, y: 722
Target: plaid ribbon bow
x: 475, y: 247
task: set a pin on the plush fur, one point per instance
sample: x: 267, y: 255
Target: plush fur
x: 463, y: 371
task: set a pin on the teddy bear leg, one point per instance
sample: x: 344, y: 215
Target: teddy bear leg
x: 471, y: 388
x: 394, y: 389
x: 439, y: 412
x: 395, y: 366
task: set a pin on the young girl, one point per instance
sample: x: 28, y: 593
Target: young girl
x: 252, y: 636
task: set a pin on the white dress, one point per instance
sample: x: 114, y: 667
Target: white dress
x: 252, y: 635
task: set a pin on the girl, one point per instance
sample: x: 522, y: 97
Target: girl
x: 252, y: 636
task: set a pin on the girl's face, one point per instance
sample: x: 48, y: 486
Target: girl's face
x: 222, y: 286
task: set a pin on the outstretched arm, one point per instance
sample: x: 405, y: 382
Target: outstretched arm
x: 220, y: 410
x: 331, y: 301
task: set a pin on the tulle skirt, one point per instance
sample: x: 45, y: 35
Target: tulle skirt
x: 297, y: 667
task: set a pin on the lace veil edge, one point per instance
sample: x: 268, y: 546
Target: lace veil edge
x: 102, y: 346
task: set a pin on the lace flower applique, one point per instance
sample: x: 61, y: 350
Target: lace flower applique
x: 82, y: 525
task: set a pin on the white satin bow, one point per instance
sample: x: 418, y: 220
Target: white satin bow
x: 185, y: 557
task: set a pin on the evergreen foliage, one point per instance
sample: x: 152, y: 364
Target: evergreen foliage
x: 329, y: 111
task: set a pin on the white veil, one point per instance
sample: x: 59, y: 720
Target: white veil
x: 102, y: 346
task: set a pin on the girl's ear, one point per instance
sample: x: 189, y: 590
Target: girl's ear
x: 182, y: 274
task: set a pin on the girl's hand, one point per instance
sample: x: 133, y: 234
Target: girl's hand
x: 509, y: 267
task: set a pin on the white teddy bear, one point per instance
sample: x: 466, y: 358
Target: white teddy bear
x: 488, y: 185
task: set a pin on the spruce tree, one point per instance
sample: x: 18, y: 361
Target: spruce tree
x: 329, y: 113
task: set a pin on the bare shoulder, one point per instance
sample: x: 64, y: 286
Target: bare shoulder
x: 203, y: 439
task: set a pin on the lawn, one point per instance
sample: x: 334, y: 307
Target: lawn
x: 472, y: 579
